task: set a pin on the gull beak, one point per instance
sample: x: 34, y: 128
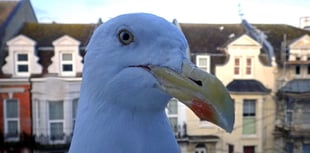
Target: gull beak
x: 202, y: 92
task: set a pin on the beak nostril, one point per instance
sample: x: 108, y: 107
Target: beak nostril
x: 198, y: 82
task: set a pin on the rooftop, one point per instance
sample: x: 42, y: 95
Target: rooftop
x: 296, y: 86
x: 6, y: 7
x: 247, y: 86
x: 45, y: 34
x: 208, y: 38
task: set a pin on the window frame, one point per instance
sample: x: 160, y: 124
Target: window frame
x: 17, y: 63
x: 6, y: 120
x: 249, y: 116
x: 203, y: 67
x: 249, y: 147
x: 173, y: 115
x: 63, y: 62
x: 201, y: 148
x: 289, y: 118
x: 230, y: 148
x: 52, y: 121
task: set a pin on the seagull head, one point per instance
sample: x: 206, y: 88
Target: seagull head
x: 138, y: 62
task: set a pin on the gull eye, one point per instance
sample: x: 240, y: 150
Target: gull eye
x: 125, y: 37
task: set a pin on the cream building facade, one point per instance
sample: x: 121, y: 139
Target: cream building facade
x: 254, y: 104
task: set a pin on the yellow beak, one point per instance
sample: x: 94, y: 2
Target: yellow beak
x: 202, y: 92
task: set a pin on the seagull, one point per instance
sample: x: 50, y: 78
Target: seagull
x: 134, y: 64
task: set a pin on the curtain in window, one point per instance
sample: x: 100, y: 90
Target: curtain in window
x: 56, y: 111
x: 249, y: 119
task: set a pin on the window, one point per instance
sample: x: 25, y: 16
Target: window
x: 230, y: 148
x: 248, y: 70
x: 74, y: 110
x: 66, y: 63
x: 237, y: 66
x: 172, y: 113
x: 56, y: 120
x: 304, y: 116
x: 249, y: 117
x: 289, y: 112
x: 308, y: 69
x: 297, y: 69
x: 11, y: 119
x: 22, y: 63
x: 203, y: 62
x: 249, y: 149
x: 289, y: 117
x: 289, y: 147
x: 200, y: 148
x: 306, y: 148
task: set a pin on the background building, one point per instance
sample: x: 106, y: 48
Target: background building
x: 41, y: 69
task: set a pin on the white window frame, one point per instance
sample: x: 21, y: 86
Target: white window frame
x: 16, y: 63
x: 62, y: 62
x: 6, y: 120
x: 174, y: 115
x: 200, y: 65
x: 55, y: 121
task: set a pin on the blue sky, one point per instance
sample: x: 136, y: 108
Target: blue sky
x: 185, y: 11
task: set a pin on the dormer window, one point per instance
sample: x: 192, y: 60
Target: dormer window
x: 21, y: 60
x: 67, y: 63
x: 22, y: 64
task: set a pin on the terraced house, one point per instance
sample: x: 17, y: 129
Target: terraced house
x: 41, y: 73
x: 48, y: 57
x: 263, y: 93
x: 15, y: 106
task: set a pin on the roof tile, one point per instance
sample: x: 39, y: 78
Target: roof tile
x: 45, y: 34
x: 247, y: 86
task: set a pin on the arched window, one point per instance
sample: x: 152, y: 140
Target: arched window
x: 200, y: 148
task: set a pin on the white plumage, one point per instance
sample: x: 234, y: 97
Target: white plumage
x: 127, y: 85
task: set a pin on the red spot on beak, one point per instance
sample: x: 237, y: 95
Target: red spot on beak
x: 203, y: 110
